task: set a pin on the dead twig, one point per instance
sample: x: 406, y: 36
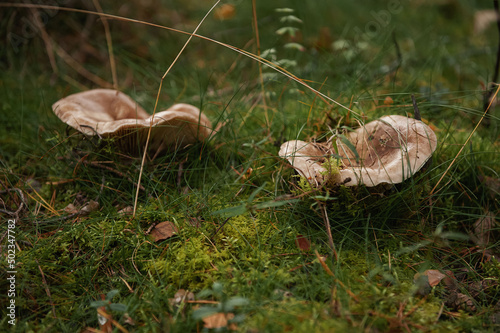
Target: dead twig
x: 415, y: 108
x: 329, y: 272
x: 324, y: 214
x: 399, y: 61
x: 220, y: 227
x: 21, y: 204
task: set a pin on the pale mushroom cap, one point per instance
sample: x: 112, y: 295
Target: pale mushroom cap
x: 390, y: 150
x: 304, y: 157
x: 110, y: 113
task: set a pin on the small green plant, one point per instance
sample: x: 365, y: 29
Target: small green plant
x: 230, y: 307
x: 288, y: 32
x: 303, y: 185
x: 331, y: 174
x: 108, y: 304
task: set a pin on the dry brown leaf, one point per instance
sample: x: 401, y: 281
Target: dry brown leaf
x: 303, y: 243
x: 324, y: 39
x: 126, y: 211
x: 163, y: 230
x: 85, y: 210
x: 493, y: 185
x: 90, y: 207
x: 482, y: 229
x: 70, y: 209
x: 434, y: 276
x: 461, y: 301
x: 225, y: 12
x: 219, y: 320
x: 431, y: 278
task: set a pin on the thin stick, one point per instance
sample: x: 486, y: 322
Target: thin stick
x: 156, y: 103
x: 114, y: 322
x: 220, y: 227
x: 21, y: 205
x: 328, y: 230
x: 329, y: 272
x: 398, y: 54
x: 466, y: 141
x: 415, y: 108
x: 109, y: 41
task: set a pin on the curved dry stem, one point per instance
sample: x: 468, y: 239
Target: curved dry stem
x: 156, y: 103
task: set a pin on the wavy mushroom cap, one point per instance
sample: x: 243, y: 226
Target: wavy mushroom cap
x: 385, y: 151
x: 112, y: 114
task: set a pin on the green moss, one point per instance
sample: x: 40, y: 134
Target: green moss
x: 297, y: 316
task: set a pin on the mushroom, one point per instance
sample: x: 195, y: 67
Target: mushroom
x: 385, y: 151
x: 112, y: 114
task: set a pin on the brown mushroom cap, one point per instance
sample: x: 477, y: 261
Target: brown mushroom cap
x: 387, y: 151
x: 112, y: 114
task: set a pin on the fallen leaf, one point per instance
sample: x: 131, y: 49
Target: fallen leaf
x: 461, y: 301
x: 477, y: 287
x: 219, y: 320
x: 482, y: 229
x: 324, y: 39
x: 422, y: 284
x: 303, y: 243
x: 388, y: 101
x: 225, y: 12
x: 493, y: 185
x: 126, y: 211
x: 450, y: 281
x: 90, y: 207
x: 434, y: 276
x: 70, y: 209
x: 85, y: 210
x: 163, y: 230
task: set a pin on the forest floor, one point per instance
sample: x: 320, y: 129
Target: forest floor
x: 244, y: 245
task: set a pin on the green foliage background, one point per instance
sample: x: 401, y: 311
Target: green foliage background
x: 230, y: 197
